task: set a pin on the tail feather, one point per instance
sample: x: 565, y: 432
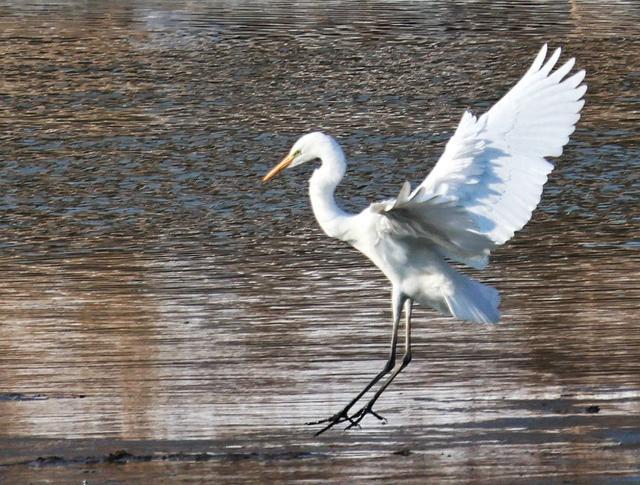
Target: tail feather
x: 473, y: 301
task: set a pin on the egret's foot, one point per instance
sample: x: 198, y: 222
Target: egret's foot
x: 337, y: 418
x: 359, y: 416
x: 330, y: 419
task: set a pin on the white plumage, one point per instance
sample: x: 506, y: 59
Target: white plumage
x: 481, y: 191
x: 494, y: 166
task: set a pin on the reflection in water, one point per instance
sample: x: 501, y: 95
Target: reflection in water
x: 151, y: 288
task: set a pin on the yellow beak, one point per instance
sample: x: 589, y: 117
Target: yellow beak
x: 286, y: 161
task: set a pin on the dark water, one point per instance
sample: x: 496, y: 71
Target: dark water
x: 156, y: 298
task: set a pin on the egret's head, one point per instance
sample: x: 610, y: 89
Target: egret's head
x: 307, y: 148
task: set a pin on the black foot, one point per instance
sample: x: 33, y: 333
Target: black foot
x: 337, y: 418
x: 359, y: 416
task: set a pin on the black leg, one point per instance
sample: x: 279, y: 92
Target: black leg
x: 398, y: 300
x: 406, y: 358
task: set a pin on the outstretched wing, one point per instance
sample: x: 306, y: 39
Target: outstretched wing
x: 494, y: 166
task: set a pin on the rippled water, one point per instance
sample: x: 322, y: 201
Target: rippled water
x: 155, y: 297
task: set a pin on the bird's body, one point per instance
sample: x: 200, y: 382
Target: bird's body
x: 483, y: 189
x: 416, y: 268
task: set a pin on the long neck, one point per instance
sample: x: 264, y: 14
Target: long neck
x: 322, y: 188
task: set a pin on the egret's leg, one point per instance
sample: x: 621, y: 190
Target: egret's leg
x: 397, y: 299
x: 406, y: 358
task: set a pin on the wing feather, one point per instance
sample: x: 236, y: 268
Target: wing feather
x: 494, y: 166
x: 438, y: 221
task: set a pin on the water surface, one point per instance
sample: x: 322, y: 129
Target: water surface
x: 156, y: 298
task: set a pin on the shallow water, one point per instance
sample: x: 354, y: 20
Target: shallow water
x: 156, y: 298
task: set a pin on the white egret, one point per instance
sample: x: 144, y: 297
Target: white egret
x: 483, y: 188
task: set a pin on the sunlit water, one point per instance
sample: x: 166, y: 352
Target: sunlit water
x: 152, y: 290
